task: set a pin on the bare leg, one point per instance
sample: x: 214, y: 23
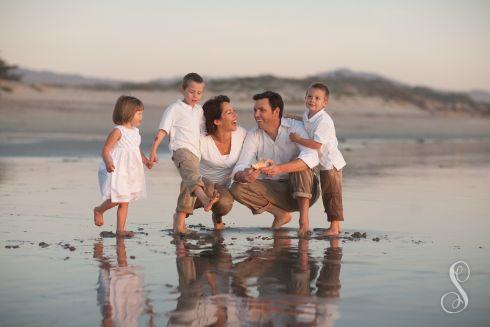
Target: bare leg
x: 217, y: 222
x: 281, y: 217
x: 334, y: 228
x: 99, y: 211
x: 304, y: 223
x: 122, y: 214
x: 206, y: 202
x: 179, y: 223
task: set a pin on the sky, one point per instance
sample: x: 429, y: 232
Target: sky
x: 443, y: 44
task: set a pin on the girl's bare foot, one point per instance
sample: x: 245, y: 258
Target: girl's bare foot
x: 124, y: 233
x: 98, y: 217
x: 280, y: 220
x: 212, y: 201
x: 217, y: 222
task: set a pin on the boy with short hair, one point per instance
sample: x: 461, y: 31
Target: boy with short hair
x: 183, y: 121
x: 321, y: 131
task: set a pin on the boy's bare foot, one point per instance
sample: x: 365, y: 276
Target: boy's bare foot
x: 212, y: 201
x: 217, y: 222
x: 304, y: 229
x: 179, y: 223
x: 98, y: 217
x: 333, y: 230
x: 281, y: 219
x: 124, y: 233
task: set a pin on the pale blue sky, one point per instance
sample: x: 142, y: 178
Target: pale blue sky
x: 443, y: 44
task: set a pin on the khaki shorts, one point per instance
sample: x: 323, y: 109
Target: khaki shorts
x: 188, y: 166
x: 282, y: 193
x: 331, y: 183
x: 189, y: 202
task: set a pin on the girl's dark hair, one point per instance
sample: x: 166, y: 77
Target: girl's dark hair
x: 125, y: 108
x: 212, y: 111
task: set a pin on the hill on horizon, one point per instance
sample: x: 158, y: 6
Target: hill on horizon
x: 342, y: 83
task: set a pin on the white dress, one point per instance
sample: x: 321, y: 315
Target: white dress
x: 127, y: 181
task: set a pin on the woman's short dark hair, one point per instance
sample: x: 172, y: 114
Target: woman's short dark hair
x: 275, y: 100
x: 212, y: 111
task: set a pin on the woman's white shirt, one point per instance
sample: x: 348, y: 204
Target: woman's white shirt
x: 217, y: 167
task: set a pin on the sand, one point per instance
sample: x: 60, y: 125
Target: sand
x: 419, y: 190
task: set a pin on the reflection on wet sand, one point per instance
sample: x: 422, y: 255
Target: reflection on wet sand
x: 278, y: 284
x: 120, y: 293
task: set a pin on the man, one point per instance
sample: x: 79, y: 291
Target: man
x: 288, y: 183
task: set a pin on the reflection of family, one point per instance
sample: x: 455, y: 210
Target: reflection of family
x: 216, y: 291
x: 271, y: 168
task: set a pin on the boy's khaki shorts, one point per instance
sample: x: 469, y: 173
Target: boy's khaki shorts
x: 188, y: 166
x: 331, y: 183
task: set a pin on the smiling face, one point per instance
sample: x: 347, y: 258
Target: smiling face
x: 193, y: 93
x: 228, y: 120
x: 137, y: 119
x: 264, y: 115
x: 315, y: 99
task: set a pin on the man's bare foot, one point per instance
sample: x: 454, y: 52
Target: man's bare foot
x: 217, y: 222
x: 280, y: 220
x: 212, y: 201
x: 124, y: 233
x: 98, y: 217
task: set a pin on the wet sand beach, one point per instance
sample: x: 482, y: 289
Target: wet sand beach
x: 419, y: 192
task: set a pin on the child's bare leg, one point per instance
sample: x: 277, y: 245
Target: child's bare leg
x: 179, y: 222
x: 122, y: 214
x: 334, y: 229
x: 99, y: 211
x: 304, y: 223
x: 206, y: 202
x: 281, y: 217
x: 217, y: 222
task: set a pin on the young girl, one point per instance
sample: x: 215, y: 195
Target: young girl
x: 121, y: 175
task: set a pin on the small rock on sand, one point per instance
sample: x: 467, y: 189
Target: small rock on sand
x: 43, y: 244
x: 107, y: 234
x: 11, y: 246
x: 376, y: 239
x: 132, y: 257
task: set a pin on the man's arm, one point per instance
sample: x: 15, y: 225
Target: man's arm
x: 286, y: 168
x: 242, y: 172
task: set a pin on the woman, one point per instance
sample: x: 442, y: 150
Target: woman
x: 220, y: 150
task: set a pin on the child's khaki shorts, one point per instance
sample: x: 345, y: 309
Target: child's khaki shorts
x: 188, y: 166
x: 331, y: 183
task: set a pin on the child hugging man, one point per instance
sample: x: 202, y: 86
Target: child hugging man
x: 183, y: 121
x: 321, y: 131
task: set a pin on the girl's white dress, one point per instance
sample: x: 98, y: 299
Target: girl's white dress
x: 127, y: 181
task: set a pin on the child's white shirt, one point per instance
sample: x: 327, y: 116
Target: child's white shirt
x: 184, y: 124
x: 320, y: 128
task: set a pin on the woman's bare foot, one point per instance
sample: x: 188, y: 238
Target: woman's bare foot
x: 217, y: 222
x: 98, y: 217
x: 281, y: 219
x: 124, y: 233
x: 212, y: 201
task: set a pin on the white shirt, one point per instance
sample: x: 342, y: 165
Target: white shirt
x: 217, y: 167
x: 259, y: 145
x: 321, y: 129
x: 183, y: 123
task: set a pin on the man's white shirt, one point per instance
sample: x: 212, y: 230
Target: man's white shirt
x: 259, y: 145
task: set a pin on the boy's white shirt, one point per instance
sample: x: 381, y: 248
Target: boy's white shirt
x: 184, y: 125
x: 320, y: 128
